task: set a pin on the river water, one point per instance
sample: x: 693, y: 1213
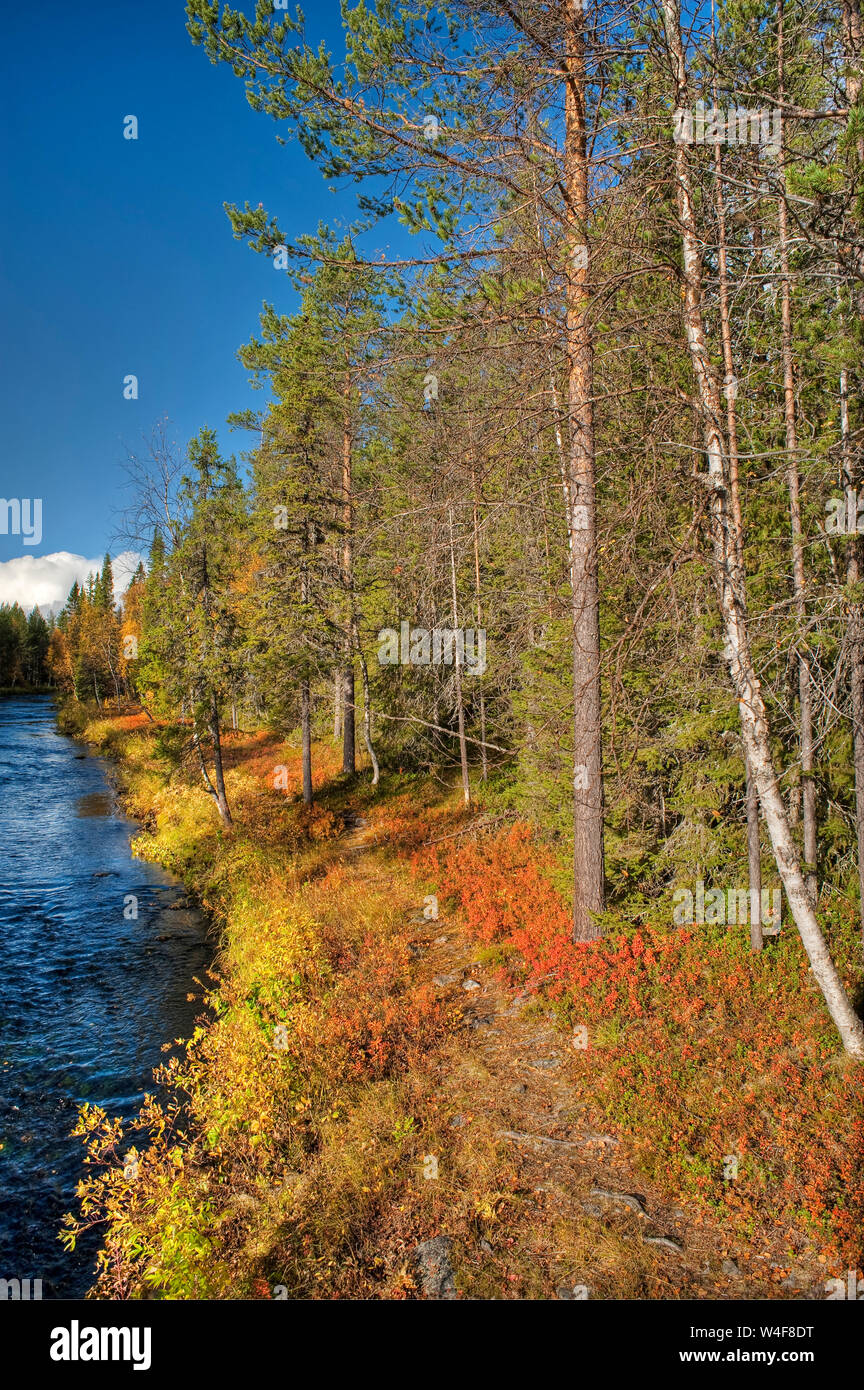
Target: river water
x: 88, y: 992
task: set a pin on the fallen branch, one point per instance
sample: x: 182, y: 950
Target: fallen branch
x: 519, y: 1138
x: 480, y: 823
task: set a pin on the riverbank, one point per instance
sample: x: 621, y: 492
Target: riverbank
x: 385, y: 1105
x: 100, y: 953
x: 23, y: 691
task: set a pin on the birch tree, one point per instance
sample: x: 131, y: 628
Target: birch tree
x: 728, y: 576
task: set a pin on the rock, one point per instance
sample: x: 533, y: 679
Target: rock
x: 442, y: 981
x: 486, y: 1247
x: 440, y: 941
x: 665, y: 1242
x: 457, y: 1122
x: 729, y: 1267
x: 471, y: 984
x: 578, y: 1293
x: 625, y: 1198
x: 515, y: 1006
x: 546, y: 1063
x: 437, y: 1277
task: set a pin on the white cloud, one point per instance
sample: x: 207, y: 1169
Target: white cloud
x: 44, y: 581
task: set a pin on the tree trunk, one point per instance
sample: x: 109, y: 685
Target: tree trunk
x: 114, y: 679
x: 457, y: 657
x: 805, y: 691
x: 588, y: 876
x: 478, y: 612
x: 553, y: 386
x: 306, y: 735
x: 730, y: 589
x: 216, y: 737
x: 853, y: 41
x: 202, y: 762
x: 349, y: 755
x: 754, y: 858
x: 337, y: 707
x: 854, y: 571
x: 367, y: 705
x: 349, y: 763
x: 305, y: 685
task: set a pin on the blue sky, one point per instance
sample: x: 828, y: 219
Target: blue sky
x: 116, y: 256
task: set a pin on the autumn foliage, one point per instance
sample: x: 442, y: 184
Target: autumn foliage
x: 712, y: 1059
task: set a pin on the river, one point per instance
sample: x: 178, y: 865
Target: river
x: 88, y: 991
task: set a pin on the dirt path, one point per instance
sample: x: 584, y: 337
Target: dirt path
x: 578, y: 1222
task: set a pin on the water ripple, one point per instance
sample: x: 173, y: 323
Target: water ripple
x: 97, y: 962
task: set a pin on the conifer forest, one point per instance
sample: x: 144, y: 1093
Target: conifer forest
x: 488, y: 684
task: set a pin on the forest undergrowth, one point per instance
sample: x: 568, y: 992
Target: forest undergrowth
x: 367, y: 1078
